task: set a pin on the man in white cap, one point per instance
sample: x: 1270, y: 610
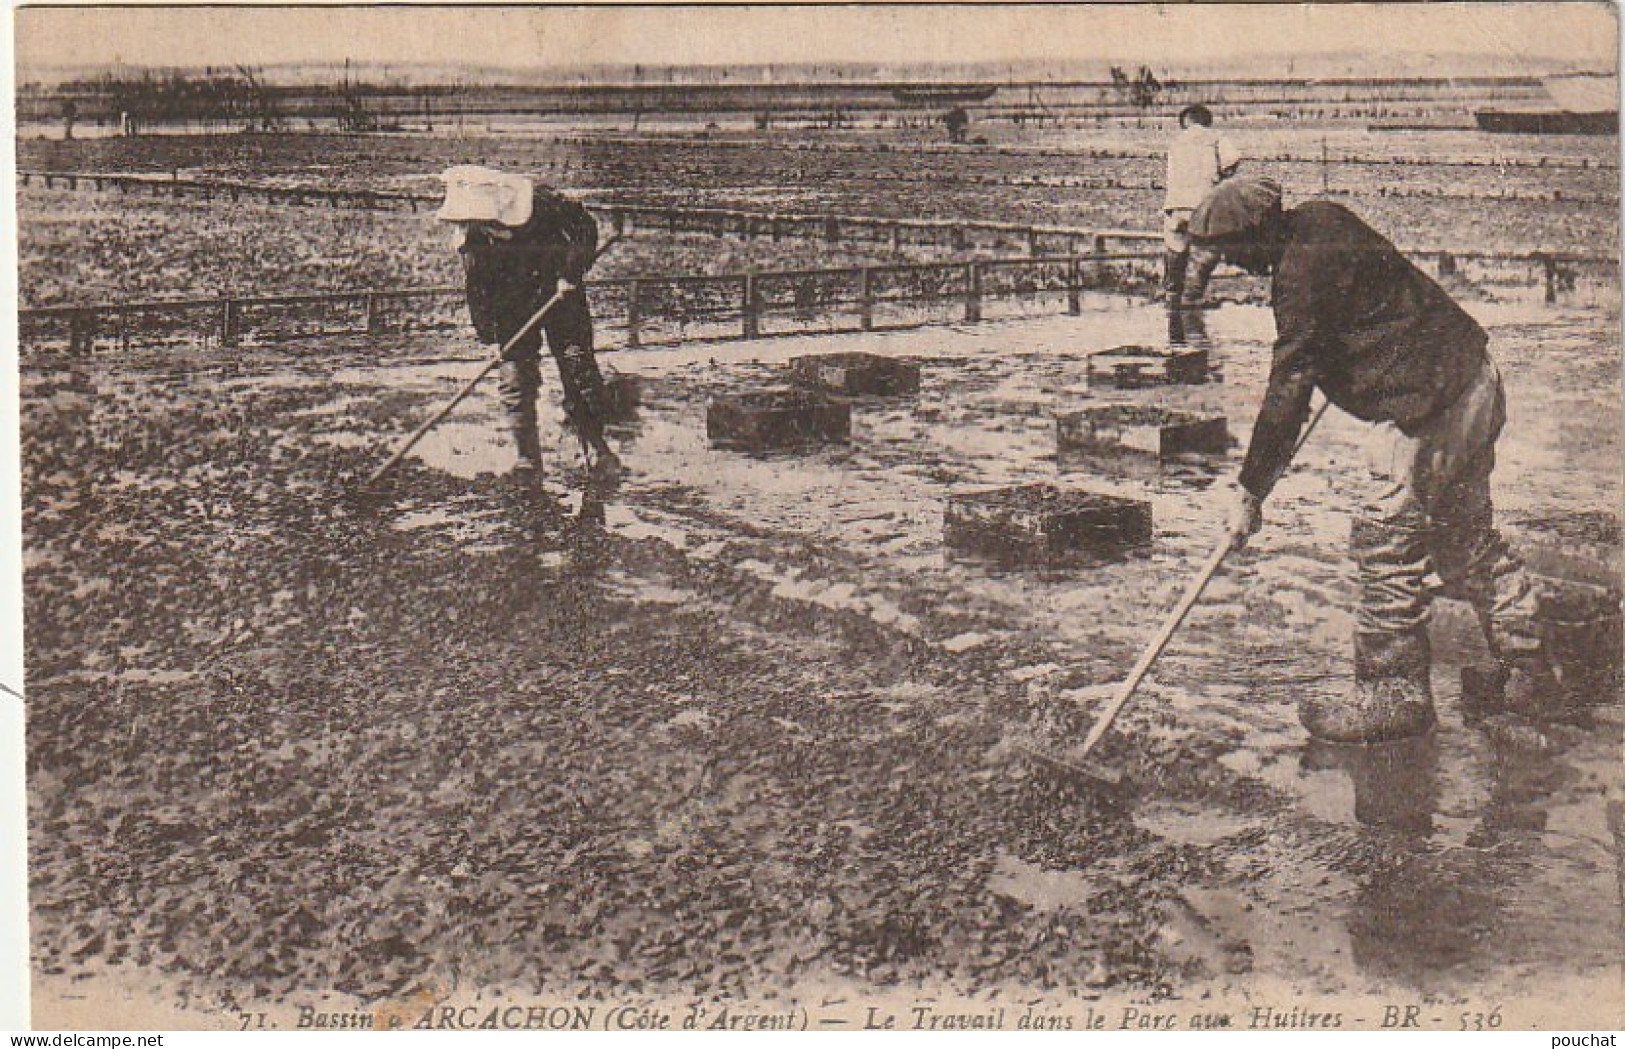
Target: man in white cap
x: 1199, y: 158
x: 1357, y: 320
x: 520, y: 244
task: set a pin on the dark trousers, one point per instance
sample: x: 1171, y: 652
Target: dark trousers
x: 1186, y: 267
x: 1428, y: 511
x: 568, y: 330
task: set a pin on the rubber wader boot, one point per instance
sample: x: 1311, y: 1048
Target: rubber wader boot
x: 1173, y: 276
x: 586, y: 415
x: 1392, y: 698
x: 528, y: 465
x: 606, y: 464
x: 517, y: 381
x: 1523, y: 683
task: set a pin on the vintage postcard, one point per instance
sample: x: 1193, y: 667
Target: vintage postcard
x: 933, y: 518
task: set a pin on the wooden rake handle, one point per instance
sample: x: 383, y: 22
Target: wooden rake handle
x: 457, y: 398
x: 1125, y: 691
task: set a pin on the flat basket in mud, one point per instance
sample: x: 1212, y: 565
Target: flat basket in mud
x: 1584, y: 629
x: 1137, y: 429
x: 1042, y: 523
x: 621, y: 396
x: 856, y: 374
x: 1136, y: 367
x: 1580, y: 613
x: 772, y: 420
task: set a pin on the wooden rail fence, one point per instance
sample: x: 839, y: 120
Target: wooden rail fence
x: 645, y: 310
x: 627, y: 218
x: 668, y: 309
x: 1084, y: 257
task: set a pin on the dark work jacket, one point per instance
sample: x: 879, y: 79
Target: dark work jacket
x: 510, y: 277
x: 1354, y: 317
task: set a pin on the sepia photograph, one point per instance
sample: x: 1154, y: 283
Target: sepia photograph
x: 750, y: 517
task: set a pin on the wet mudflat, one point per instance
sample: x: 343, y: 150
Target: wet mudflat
x: 740, y: 726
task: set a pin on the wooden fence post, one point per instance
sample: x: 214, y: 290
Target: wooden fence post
x: 750, y: 308
x: 1097, y: 248
x: 1033, y: 247
x: 634, y: 311
x: 1074, y: 282
x: 973, y: 292
x: 832, y: 228
x: 228, y: 321
x: 897, y: 238
x: 375, y: 315
x: 958, y: 239
x: 866, y: 299
x: 81, y: 334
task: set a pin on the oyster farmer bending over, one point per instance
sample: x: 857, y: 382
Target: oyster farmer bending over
x: 1355, y: 319
x: 520, y: 243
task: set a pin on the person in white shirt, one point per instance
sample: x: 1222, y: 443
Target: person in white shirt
x: 1198, y: 159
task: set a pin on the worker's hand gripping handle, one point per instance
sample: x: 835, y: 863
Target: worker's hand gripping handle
x: 1125, y: 691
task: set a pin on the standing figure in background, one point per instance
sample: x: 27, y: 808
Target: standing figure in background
x: 520, y: 244
x: 1198, y: 159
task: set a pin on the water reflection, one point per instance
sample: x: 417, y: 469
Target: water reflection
x: 1188, y: 328
x: 1442, y: 874
x: 1522, y: 789
x: 554, y: 535
x: 1408, y: 915
x: 1040, y: 564
x: 1394, y: 786
x: 1188, y: 471
x: 1413, y: 917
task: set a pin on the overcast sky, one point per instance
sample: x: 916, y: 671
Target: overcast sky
x: 533, y: 38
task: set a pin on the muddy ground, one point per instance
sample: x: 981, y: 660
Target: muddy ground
x: 82, y: 247
x: 739, y: 728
